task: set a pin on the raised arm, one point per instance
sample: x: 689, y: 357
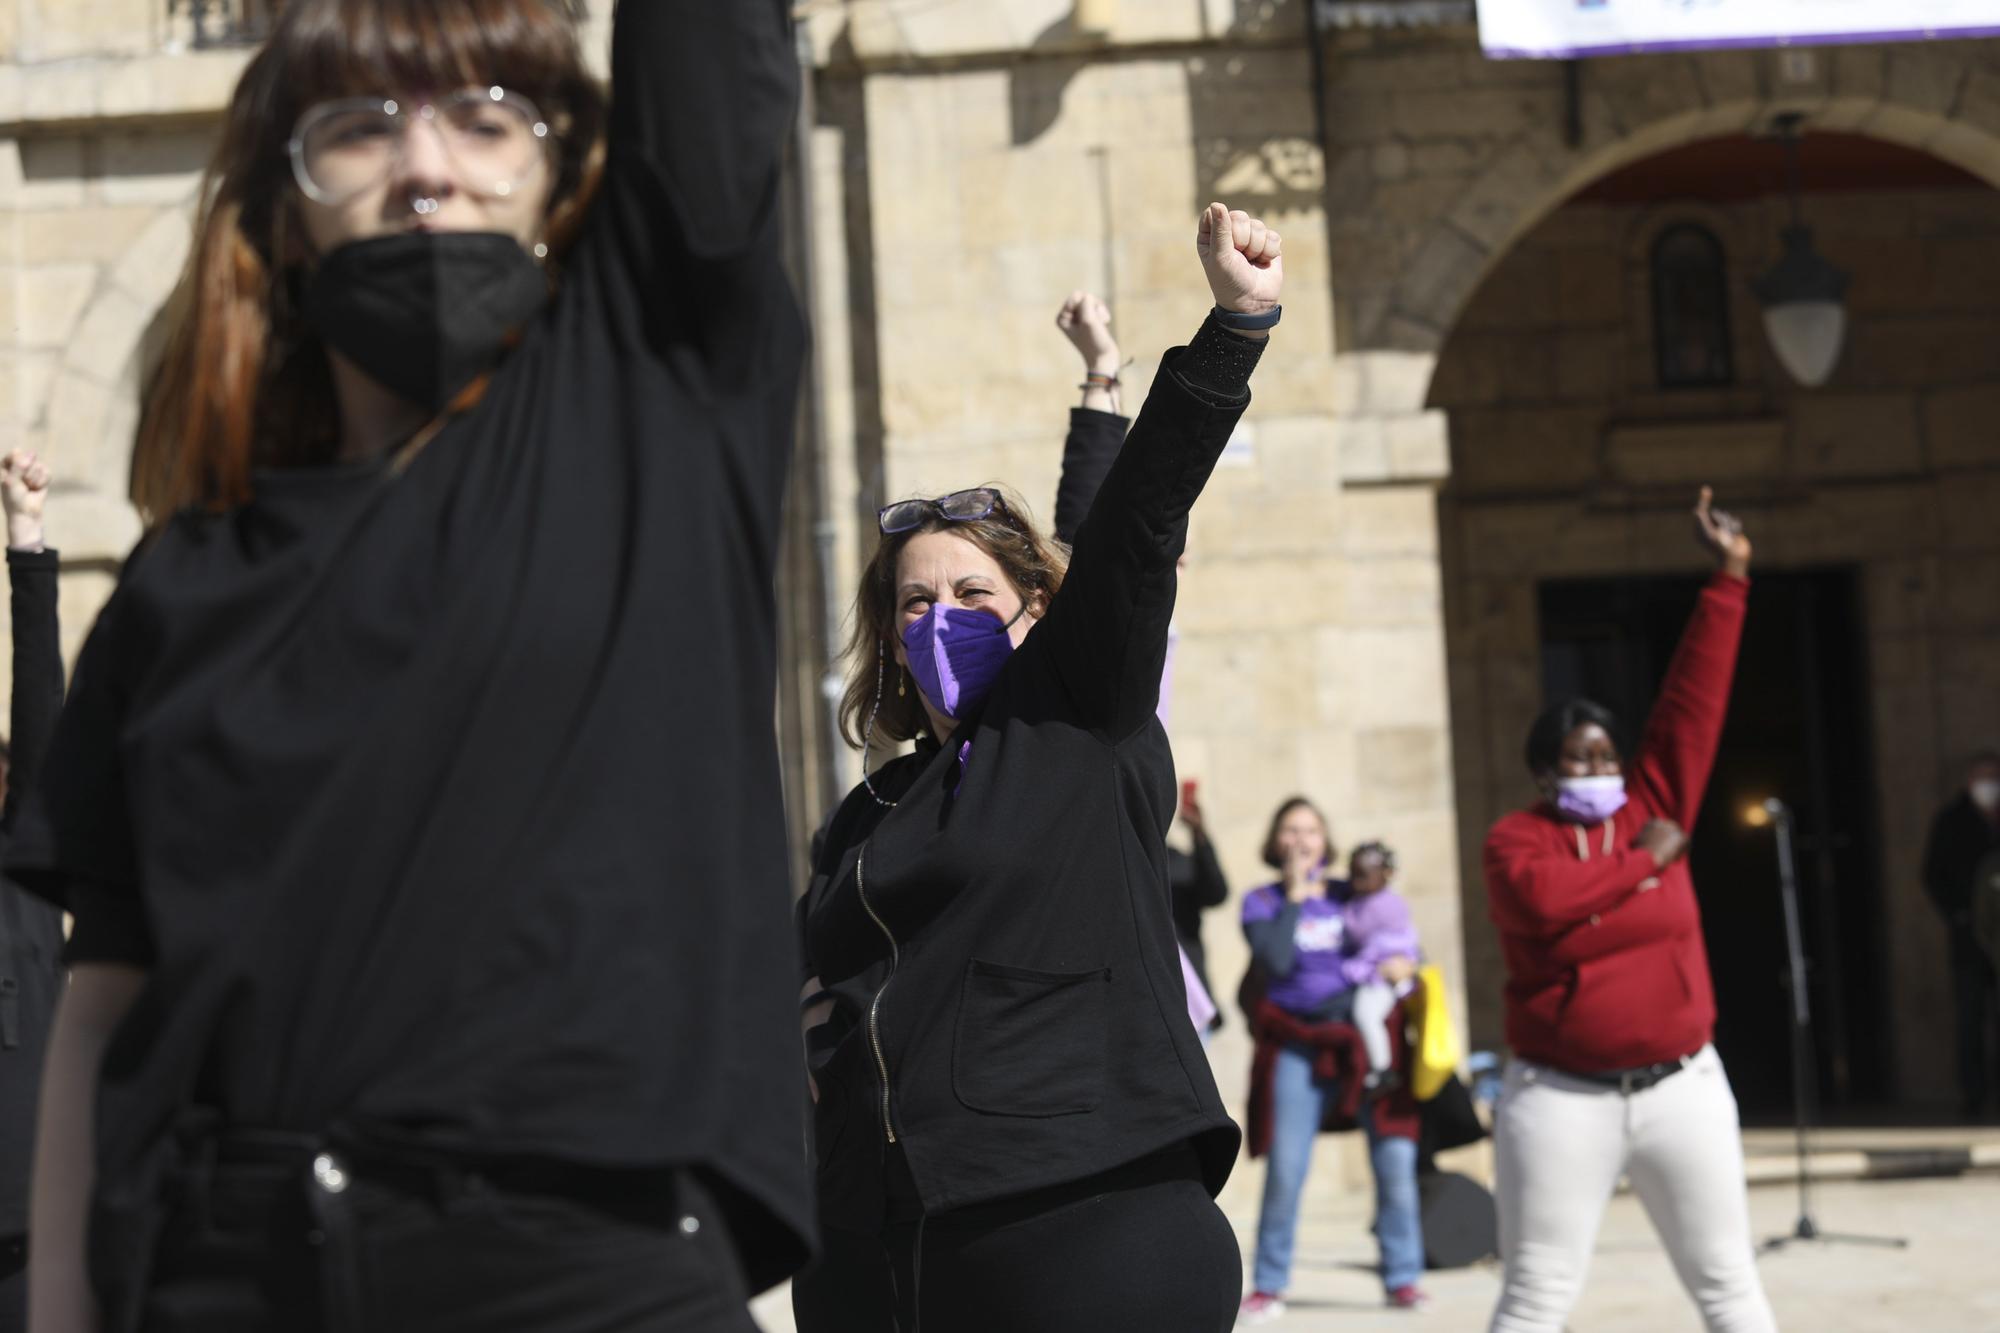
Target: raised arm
x: 1097, y: 427
x: 38, y: 667
x: 702, y: 94
x: 1105, y: 634
x: 1677, y: 752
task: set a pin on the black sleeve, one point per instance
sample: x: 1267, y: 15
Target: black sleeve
x: 1209, y: 888
x: 1946, y: 876
x: 690, y: 210
x: 1105, y: 634
x: 1088, y: 452
x: 72, y: 841
x: 1274, y: 942
x: 38, y: 671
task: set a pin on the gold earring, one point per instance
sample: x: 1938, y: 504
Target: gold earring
x: 899, y: 682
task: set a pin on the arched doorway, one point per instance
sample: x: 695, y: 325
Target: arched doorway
x: 1610, y: 361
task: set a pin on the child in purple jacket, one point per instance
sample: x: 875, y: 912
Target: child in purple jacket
x: 1378, y: 928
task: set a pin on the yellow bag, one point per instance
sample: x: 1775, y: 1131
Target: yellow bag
x: 1438, y: 1051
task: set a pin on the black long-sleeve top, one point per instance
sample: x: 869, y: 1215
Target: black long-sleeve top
x: 1195, y: 877
x: 449, y: 801
x: 1961, y: 837
x: 1010, y: 919
x: 30, y: 929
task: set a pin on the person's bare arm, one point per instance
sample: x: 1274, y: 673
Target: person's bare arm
x: 59, y: 1295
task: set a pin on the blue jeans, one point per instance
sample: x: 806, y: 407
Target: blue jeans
x: 1296, y: 1105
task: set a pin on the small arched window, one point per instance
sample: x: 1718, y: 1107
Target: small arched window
x: 1691, y: 344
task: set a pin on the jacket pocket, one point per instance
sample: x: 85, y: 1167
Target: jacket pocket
x: 1030, y: 1043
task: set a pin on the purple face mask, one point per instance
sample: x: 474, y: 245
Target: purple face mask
x: 1590, y: 800
x: 955, y: 655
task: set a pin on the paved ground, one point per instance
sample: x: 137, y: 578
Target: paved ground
x: 1947, y: 1281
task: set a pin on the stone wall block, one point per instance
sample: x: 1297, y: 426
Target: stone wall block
x: 1443, y: 275
x: 1393, y: 591
x: 152, y: 267
x: 1388, y: 521
x: 157, y: 169
x: 107, y: 337
x: 1731, y: 77
x: 79, y: 408
x: 1364, y: 449
x: 1419, y: 446
x: 1855, y: 434
x: 96, y: 235
x: 51, y: 299
x: 1654, y: 88
x: 1508, y: 195
x: 53, y: 173
x: 33, y: 376
x: 1393, y: 677
x: 1966, y: 505
x: 1962, y: 425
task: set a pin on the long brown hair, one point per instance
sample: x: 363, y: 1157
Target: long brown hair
x: 242, y: 383
x: 1033, y: 563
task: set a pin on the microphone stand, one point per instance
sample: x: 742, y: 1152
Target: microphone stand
x: 1805, y: 1056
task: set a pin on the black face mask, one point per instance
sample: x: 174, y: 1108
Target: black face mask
x: 425, y: 313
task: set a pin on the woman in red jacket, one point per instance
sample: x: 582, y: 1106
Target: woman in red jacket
x: 1609, y: 1004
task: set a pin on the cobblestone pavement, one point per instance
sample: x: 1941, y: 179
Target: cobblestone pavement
x: 1947, y: 1281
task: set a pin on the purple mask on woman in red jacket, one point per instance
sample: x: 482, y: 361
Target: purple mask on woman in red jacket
x: 1590, y: 800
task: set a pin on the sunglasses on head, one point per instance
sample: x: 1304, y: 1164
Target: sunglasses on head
x: 958, y: 507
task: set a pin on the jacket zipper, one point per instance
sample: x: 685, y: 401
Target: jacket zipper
x: 875, y: 1005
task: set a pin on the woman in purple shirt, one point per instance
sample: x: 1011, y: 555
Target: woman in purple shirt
x: 1297, y: 928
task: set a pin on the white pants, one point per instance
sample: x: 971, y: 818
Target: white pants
x: 1374, y: 1001
x: 1562, y: 1143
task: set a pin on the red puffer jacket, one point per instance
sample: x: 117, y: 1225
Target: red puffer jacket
x: 1606, y: 969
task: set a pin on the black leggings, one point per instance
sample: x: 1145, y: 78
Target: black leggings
x: 251, y: 1248
x: 1142, y: 1247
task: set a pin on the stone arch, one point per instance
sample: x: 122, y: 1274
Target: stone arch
x: 1943, y: 100
x: 1398, y: 295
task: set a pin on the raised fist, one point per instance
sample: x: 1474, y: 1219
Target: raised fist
x: 1722, y: 533
x: 1241, y: 258
x: 1086, y: 322
x: 24, y: 485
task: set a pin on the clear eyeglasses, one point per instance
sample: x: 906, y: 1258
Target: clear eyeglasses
x: 342, y: 148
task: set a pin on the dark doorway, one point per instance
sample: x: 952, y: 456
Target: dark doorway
x: 1797, y: 728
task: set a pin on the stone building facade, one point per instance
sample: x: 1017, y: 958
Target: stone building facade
x: 1454, y: 416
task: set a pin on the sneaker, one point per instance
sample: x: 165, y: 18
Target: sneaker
x: 1260, y: 1307
x: 1409, y: 1297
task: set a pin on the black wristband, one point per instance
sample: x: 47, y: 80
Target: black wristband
x: 1242, y: 323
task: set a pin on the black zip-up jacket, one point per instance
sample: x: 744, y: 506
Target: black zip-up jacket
x: 1020, y: 1020
x: 30, y: 930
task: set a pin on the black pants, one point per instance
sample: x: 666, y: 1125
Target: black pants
x: 1142, y: 1247
x: 13, y: 1284
x: 1974, y: 993
x: 263, y: 1247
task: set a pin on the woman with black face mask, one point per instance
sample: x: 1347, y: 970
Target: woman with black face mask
x: 1011, y: 1101
x: 431, y: 966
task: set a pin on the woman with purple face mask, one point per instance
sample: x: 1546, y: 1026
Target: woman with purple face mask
x: 1609, y: 1005
x: 1010, y: 1098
